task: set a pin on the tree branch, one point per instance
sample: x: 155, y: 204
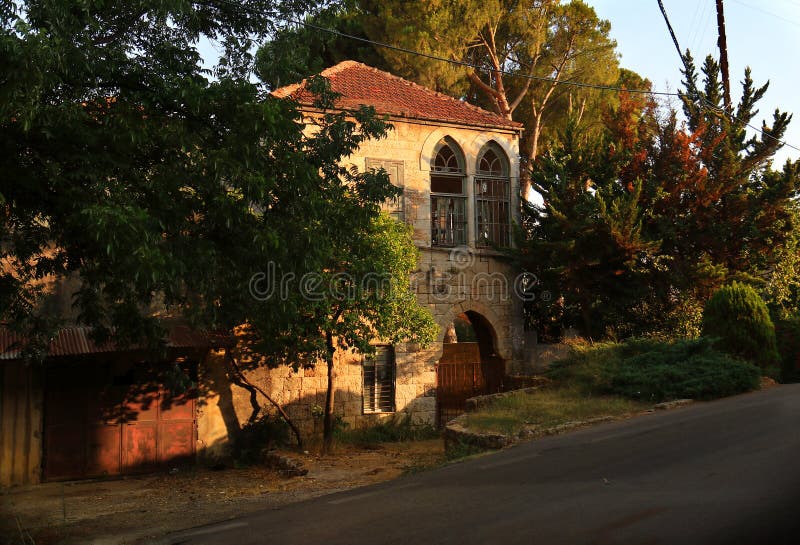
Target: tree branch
x: 240, y: 375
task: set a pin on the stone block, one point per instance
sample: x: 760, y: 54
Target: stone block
x: 294, y: 384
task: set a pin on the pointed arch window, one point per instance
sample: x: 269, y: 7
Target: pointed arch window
x: 448, y: 196
x: 493, y: 199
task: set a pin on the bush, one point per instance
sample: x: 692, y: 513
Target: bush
x: 264, y: 432
x: 787, y: 334
x: 393, y: 430
x: 738, y: 319
x: 650, y: 370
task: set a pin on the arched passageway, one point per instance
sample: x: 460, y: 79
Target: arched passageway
x: 469, y: 365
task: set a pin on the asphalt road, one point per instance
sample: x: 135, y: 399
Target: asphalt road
x: 724, y: 472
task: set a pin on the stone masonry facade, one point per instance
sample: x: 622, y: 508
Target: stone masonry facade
x: 449, y: 280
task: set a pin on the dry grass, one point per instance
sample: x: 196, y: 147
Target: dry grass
x: 546, y: 409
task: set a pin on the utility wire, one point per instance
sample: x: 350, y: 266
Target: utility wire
x: 703, y: 100
x: 555, y: 81
x: 481, y: 68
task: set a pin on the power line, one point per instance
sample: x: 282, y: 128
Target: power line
x: 477, y: 67
x: 555, y: 81
x: 766, y: 12
x: 704, y: 102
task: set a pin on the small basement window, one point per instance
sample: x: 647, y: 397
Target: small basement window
x: 379, y: 373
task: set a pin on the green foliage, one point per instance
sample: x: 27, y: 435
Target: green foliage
x: 563, y: 41
x: 654, y: 371
x: 457, y: 450
x: 157, y: 189
x: 787, y: 333
x: 263, y: 433
x: 738, y: 318
x: 297, y: 52
x: 781, y: 288
x: 393, y: 430
x: 641, y: 224
x: 163, y: 192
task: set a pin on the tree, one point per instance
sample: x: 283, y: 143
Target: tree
x: 643, y: 222
x: 577, y: 48
x: 297, y: 51
x: 586, y: 244
x: 162, y: 192
x: 525, y: 51
x: 363, y: 295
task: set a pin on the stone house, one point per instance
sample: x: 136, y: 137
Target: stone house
x: 458, y: 167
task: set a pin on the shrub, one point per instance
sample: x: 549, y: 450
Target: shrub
x: 738, y: 319
x: 393, y: 430
x: 264, y: 432
x: 686, y: 369
x: 651, y: 370
x: 787, y: 334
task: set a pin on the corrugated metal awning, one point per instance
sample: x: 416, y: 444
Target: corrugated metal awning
x: 76, y: 341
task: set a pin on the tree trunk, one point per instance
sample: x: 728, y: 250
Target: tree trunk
x: 239, y: 375
x: 533, y: 150
x: 327, y: 427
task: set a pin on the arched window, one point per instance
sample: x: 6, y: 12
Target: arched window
x: 492, y: 198
x: 448, y: 196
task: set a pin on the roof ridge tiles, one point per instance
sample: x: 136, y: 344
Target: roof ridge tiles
x: 464, y: 113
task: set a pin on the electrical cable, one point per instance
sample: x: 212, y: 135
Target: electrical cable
x: 704, y: 101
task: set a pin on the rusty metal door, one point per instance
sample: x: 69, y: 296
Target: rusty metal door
x: 458, y: 377
x: 463, y: 373
x: 96, y: 429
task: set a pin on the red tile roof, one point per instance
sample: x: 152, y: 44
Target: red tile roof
x: 388, y: 94
x: 76, y: 341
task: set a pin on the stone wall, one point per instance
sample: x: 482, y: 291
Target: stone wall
x: 450, y: 281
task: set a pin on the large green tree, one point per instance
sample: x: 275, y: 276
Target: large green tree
x: 641, y: 224
x: 362, y: 295
x: 527, y: 53
x: 162, y: 191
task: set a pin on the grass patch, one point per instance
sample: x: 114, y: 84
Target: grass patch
x: 546, y: 409
x: 390, y: 431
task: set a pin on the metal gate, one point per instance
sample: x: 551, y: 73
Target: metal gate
x: 94, y: 428
x: 461, y: 374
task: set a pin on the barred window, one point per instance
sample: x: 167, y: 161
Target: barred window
x: 448, y: 197
x: 379, y: 372
x: 492, y: 200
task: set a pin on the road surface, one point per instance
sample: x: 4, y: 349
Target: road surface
x: 724, y: 472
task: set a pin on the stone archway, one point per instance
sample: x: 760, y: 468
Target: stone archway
x: 469, y: 365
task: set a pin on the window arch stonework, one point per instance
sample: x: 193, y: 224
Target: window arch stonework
x: 448, y: 196
x: 492, y: 198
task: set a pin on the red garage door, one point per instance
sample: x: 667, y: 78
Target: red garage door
x: 96, y: 425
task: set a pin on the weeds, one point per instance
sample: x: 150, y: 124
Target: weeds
x: 457, y: 450
x: 390, y: 431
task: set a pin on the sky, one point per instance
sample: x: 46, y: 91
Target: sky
x: 762, y: 35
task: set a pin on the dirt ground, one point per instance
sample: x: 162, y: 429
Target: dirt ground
x: 137, y: 509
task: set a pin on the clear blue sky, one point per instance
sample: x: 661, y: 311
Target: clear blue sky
x: 762, y: 35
